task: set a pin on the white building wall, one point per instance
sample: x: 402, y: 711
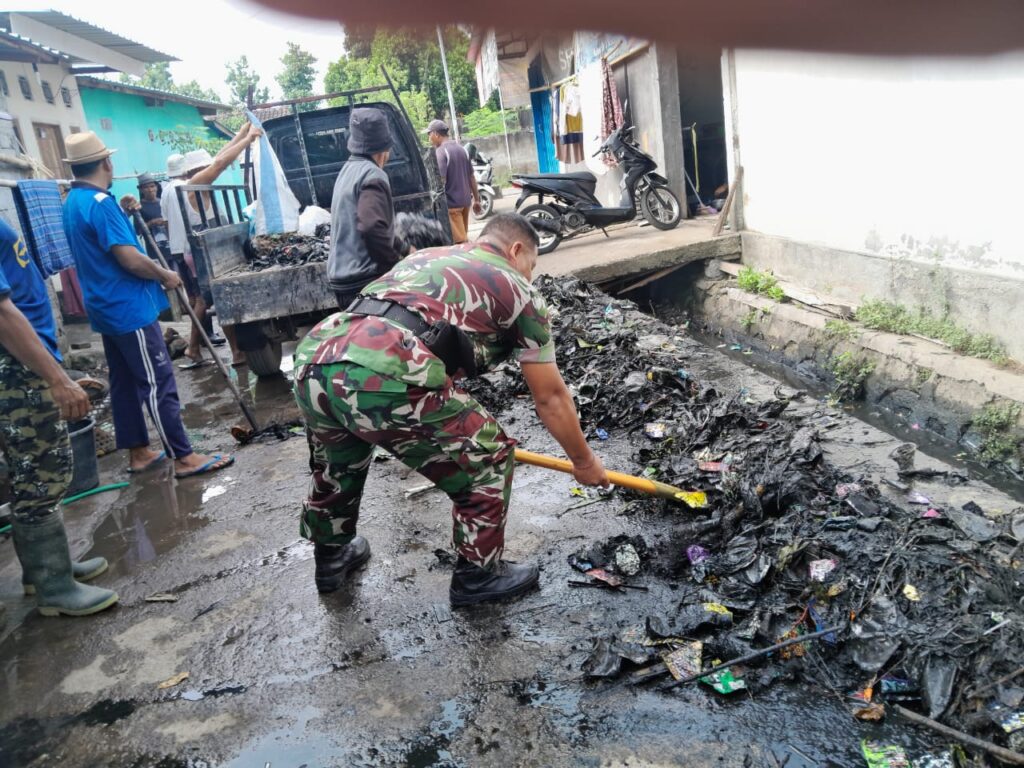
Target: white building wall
x: 914, y: 158
x: 38, y: 110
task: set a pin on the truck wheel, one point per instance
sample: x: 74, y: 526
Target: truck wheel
x: 265, y: 361
x: 486, y: 205
x: 548, y: 240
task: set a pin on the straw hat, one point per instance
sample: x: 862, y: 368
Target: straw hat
x: 196, y: 159
x: 85, y: 147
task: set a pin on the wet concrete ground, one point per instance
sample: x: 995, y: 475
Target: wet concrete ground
x: 383, y: 673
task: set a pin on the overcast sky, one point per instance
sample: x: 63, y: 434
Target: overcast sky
x: 207, y: 34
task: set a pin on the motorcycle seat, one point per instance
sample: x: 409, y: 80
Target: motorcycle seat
x: 582, y: 176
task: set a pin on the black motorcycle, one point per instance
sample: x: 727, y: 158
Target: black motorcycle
x: 572, y: 208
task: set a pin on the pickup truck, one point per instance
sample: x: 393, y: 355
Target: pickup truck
x: 267, y: 307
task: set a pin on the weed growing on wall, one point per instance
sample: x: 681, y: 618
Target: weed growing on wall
x: 850, y: 373
x: 995, y: 423
x: 840, y: 330
x: 881, y: 315
x: 761, y: 283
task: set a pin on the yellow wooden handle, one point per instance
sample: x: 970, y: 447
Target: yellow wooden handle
x: 562, y: 465
x: 653, y: 487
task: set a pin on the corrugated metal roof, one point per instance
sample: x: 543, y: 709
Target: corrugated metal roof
x: 85, y: 81
x: 24, y: 42
x: 90, y: 33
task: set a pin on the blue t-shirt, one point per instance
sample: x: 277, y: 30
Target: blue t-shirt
x: 116, y: 301
x: 21, y: 281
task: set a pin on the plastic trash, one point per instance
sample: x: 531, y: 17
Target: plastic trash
x: 311, y: 218
x: 937, y: 685
x: 685, y: 661
x: 820, y: 569
x: 601, y: 434
x: 915, y: 497
x: 695, y: 553
x: 724, y: 681
x: 603, y: 661
x: 845, y: 489
x: 974, y: 525
x: 627, y: 560
x: 875, y: 634
x: 694, y: 617
x: 884, y: 755
x: 655, y: 430
x: 910, y: 592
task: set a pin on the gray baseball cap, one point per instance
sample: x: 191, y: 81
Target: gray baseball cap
x: 438, y: 126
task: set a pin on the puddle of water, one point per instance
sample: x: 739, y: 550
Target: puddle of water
x: 433, y: 751
x: 25, y: 739
x: 289, y: 747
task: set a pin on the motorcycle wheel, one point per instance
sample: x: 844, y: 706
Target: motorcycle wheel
x: 660, y: 207
x: 486, y: 205
x: 548, y: 240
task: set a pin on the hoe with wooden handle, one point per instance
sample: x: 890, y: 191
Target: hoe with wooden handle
x: 694, y: 499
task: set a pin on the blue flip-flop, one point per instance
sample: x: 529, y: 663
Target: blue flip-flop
x: 159, y: 458
x: 207, y: 467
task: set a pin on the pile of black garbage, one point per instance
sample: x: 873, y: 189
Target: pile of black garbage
x: 291, y: 249
x: 925, y: 601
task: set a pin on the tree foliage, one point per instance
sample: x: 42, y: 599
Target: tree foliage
x: 298, y: 72
x: 240, y: 76
x: 158, y: 76
x: 413, y: 61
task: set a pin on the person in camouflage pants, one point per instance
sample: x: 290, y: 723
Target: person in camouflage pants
x: 35, y: 441
x: 366, y: 378
x: 444, y: 434
x: 36, y: 396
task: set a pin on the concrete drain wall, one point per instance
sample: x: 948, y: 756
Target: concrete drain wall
x: 916, y: 382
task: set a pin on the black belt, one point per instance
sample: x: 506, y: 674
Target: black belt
x: 449, y: 344
x: 389, y: 310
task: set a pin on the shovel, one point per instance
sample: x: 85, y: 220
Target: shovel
x: 183, y: 300
x: 693, y: 499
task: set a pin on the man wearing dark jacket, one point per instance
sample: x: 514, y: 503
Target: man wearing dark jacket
x: 363, y: 241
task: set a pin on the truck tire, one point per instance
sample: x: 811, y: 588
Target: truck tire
x: 265, y: 361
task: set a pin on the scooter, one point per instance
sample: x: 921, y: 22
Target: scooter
x: 573, y: 209
x: 483, y: 170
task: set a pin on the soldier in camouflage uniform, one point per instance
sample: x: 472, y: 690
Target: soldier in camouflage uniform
x: 36, y: 394
x: 370, y: 376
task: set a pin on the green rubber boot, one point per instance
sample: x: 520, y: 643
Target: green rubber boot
x: 86, y: 570
x: 46, y: 561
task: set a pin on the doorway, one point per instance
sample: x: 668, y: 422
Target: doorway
x: 51, y: 149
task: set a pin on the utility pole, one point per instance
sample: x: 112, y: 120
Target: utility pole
x: 448, y: 84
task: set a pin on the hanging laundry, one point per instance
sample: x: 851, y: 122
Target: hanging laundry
x: 591, y: 100
x: 571, y: 122
x: 611, y: 112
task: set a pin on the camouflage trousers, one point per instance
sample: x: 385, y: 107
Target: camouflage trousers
x: 35, y: 441
x: 444, y: 434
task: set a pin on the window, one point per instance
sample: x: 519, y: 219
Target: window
x: 74, y: 129
x: 26, y: 89
x: 4, y: 90
x: 47, y: 92
x: 65, y: 94
x: 106, y: 124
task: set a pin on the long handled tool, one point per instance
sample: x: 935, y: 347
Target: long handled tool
x: 183, y: 300
x: 694, y: 499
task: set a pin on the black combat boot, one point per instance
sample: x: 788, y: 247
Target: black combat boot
x: 472, y: 584
x: 334, y: 564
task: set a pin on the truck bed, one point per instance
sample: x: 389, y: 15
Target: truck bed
x: 244, y: 297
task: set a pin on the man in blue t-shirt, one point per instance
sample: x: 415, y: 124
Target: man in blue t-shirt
x: 122, y: 288
x: 35, y: 395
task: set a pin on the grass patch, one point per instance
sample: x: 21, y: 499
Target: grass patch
x: 840, y: 330
x: 995, y: 423
x: 850, y: 373
x: 749, y: 319
x: 923, y: 374
x: 881, y: 315
x: 761, y: 283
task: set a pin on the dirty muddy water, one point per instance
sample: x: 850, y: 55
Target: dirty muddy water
x: 385, y: 673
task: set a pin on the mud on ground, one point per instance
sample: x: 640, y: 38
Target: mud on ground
x: 384, y: 673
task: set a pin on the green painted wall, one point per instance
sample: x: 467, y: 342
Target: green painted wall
x: 135, y: 133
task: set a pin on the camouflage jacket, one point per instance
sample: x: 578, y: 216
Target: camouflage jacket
x: 471, y: 286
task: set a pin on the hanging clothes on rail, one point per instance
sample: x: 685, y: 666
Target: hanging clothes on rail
x: 570, y: 119
x: 611, y: 112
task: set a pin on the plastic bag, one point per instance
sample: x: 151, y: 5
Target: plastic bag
x: 277, y: 208
x: 311, y: 218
